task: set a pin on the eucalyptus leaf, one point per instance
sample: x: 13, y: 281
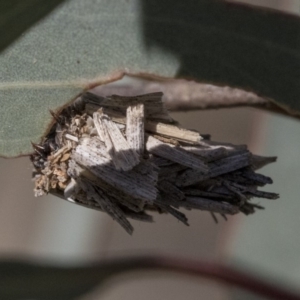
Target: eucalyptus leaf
x: 16, y: 16
x: 228, y: 44
x: 27, y: 280
x: 22, y: 280
x: 85, y: 43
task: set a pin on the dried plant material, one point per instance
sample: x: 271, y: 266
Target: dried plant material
x: 154, y: 107
x: 126, y: 156
x: 175, y: 154
x: 172, y: 131
x: 216, y: 168
x: 208, y: 154
x: 123, y: 156
x: 154, y: 126
x: 135, y: 127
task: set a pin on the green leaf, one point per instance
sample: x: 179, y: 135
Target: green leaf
x: 240, y: 46
x: 85, y: 43
x: 26, y: 280
x: 30, y: 280
x: 16, y: 16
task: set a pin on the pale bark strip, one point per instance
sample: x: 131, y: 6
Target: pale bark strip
x: 122, y: 155
x: 95, y: 144
x: 173, y: 132
x: 217, y: 145
x: 71, y: 137
x: 135, y: 127
x: 114, y: 114
x: 132, y: 183
x: 176, y: 155
x: 119, y: 116
x: 167, y: 140
x: 128, y: 158
x: 102, y: 131
x: 156, y: 127
x: 71, y: 188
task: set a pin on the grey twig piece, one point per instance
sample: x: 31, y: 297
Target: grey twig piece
x: 134, y: 204
x: 258, y: 178
x: 130, y: 182
x: 205, y: 194
x: 154, y: 106
x: 171, y: 190
x: 108, y: 206
x: 179, y: 156
x: 172, y: 131
x: 126, y: 156
x: 211, y: 205
x: 71, y: 188
x: 259, y: 162
x: 174, y: 212
x: 135, y: 127
x: 236, y: 191
x: 208, y: 154
x: 154, y: 126
x: 222, y: 166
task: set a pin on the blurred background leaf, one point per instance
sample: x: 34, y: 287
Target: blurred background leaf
x: 29, y: 280
x: 16, y: 16
x: 84, y: 43
x: 229, y: 44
